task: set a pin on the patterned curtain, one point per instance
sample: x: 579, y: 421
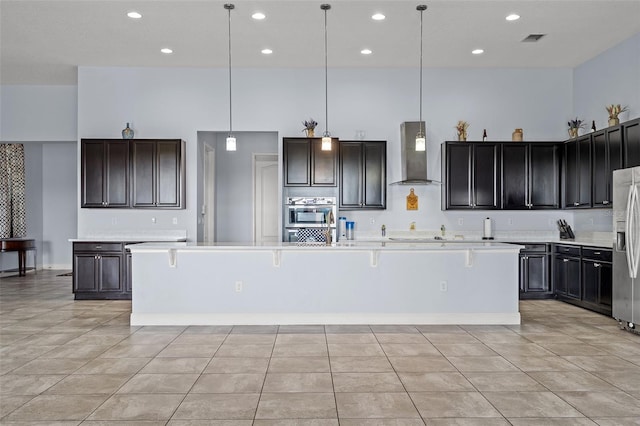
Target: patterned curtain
x: 13, y: 221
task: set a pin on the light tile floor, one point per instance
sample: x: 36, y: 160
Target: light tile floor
x: 64, y: 362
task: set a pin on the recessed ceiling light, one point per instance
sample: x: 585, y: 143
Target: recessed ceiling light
x: 134, y: 15
x: 477, y: 51
x: 366, y: 51
x: 378, y: 17
x: 166, y: 50
x: 267, y: 51
x: 512, y: 17
x: 258, y: 16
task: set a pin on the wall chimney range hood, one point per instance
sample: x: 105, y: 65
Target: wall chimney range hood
x: 414, y: 163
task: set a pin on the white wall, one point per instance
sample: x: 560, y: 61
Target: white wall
x: 612, y: 77
x: 170, y: 103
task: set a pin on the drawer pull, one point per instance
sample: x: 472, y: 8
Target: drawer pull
x: 596, y: 265
x: 596, y: 252
x: 565, y: 260
x: 98, y: 247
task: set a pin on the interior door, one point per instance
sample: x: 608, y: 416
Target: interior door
x: 266, y: 206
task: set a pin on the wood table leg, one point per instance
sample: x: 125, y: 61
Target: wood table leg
x: 22, y: 260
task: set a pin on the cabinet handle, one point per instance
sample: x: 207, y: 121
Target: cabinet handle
x: 576, y: 204
x: 565, y: 260
x: 596, y: 265
x: 605, y: 202
x: 98, y: 247
x: 596, y: 252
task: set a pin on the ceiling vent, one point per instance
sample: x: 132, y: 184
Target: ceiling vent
x: 532, y: 38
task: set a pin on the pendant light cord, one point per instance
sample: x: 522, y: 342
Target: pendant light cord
x: 421, y: 8
x: 229, y: 7
x: 326, y: 7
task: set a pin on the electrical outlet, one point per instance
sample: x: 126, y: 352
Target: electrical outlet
x: 175, y: 220
x: 443, y: 286
x: 153, y: 220
x: 510, y: 221
x: 238, y: 286
x: 372, y: 221
x: 114, y: 220
x: 460, y: 221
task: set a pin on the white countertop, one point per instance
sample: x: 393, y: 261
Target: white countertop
x: 349, y: 245
x: 131, y: 236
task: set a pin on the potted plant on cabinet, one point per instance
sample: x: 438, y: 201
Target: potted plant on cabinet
x: 309, y: 127
x: 574, y: 125
x: 614, y: 111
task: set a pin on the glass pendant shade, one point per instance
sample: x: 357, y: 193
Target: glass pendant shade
x: 421, y: 142
x: 326, y: 143
x: 231, y: 143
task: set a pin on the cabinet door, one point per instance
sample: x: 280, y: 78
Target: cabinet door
x: 110, y: 278
x: 350, y: 174
x: 375, y: 174
x: 570, y: 177
x: 590, y: 281
x: 606, y: 281
x: 117, y: 173
x: 601, y: 173
x: 169, y: 179
x: 93, y: 173
x: 584, y: 171
x: 143, y: 173
x: 324, y: 164
x: 297, y: 157
x: 572, y: 266
x: 537, y: 273
x: 560, y: 275
x: 631, y: 140
x: 85, y: 272
x: 128, y: 276
x: 458, y: 172
x: 485, y: 176
x: 544, y: 177
x: 515, y: 194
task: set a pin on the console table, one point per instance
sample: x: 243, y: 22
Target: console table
x: 21, y: 245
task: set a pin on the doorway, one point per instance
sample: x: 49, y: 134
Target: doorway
x: 208, y: 213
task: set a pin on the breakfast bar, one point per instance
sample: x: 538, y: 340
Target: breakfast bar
x: 344, y: 283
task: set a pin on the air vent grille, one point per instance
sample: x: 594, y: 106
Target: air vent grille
x: 532, y: 38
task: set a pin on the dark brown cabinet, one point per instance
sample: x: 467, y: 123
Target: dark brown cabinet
x: 472, y: 178
x: 133, y: 173
x: 577, y: 173
x: 583, y: 276
x: 631, y: 138
x: 535, y: 279
x: 157, y: 173
x: 99, y: 271
x: 105, y: 173
x: 530, y: 176
x: 607, y: 157
x: 363, y: 175
x: 305, y: 164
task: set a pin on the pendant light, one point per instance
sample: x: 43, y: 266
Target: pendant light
x: 326, y: 136
x: 231, y: 140
x: 421, y: 140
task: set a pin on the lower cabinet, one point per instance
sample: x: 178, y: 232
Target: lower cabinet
x: 101, y: 271
x: 583, y: 276
x: 535, y: 279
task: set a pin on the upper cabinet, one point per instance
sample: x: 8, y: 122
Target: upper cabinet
x: 305, y: 164
x: 363, y: 175
x: 157, y: 179
x: 133, y: 173
x: 631, y: 141
x: 530, y: 176
x: 607, y: 157
x: 577, y: 176
x: 472, y: 178
x: 105, y: 173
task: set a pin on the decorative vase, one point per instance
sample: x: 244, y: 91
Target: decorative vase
x: 614, y: 121
x: 573, y: 132
x: 310, y: 133
x: 127, y: 132
x: 462, y: 136
x: 517, y: 135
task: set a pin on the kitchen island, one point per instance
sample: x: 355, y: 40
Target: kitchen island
x: 351, y: 283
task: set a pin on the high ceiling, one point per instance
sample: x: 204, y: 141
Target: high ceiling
x: 43, y: 42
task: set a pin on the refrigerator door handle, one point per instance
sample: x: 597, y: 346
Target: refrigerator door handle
x: 628, y: 225
x: 635, y: 231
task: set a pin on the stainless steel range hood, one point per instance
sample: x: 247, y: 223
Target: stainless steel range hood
x: 414, y: 163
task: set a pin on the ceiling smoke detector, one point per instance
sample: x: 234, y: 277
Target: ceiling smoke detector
x: 532, y: 38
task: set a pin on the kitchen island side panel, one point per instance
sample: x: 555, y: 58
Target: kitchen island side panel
x: 325, y: 286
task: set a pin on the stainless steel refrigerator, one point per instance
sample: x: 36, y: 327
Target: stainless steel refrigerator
x: 626, y: 250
